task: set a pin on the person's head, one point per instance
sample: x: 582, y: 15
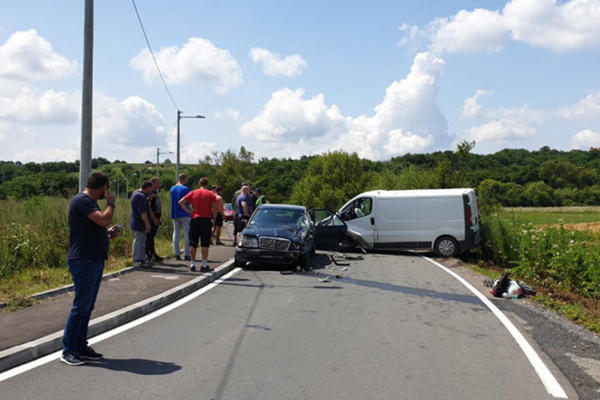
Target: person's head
x: 246, y: 190
x: 213, y: 188
x: 146, y: 187
x: 155, y: 183
x: 243, y: 184
x: 257, y: 192
x: 203, y: 182
x: 97, y: 184
x: 182, y: 178
x: 219, y: 190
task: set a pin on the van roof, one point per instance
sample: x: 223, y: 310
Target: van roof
x: 418, y: 193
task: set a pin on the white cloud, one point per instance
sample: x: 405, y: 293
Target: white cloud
x: 468, y: 31
x: 407, y: 120
x: 274, y: 65
x: 47, y: 154
x: 198, y: 60
x: 568, y: 26
x: 585, y: 139
x: 192, y: 153
x: 125, y: 124
x: 471, y: 106
x: 230, y: 113
x: 26, y: 55
x: 587, y: 109
x: 48, y: 108
x: 501, y: 131
x: 561, y: 27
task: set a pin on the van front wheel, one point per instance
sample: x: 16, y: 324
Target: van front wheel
x: 446, y: 246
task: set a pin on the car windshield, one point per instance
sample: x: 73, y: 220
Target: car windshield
x: 278, y: 217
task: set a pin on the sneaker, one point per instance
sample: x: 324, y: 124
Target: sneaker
x: 89, y: 354
x: 192, y: 267
x: 206, y: 269
x: 187, y: 258
x: 178, y: 258
x: 220, y: 243
x: 71, y: 359
x: 157, y: 259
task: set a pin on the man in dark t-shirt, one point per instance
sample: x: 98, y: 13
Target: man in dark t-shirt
x: 139, y: 222
x: 88, y: 248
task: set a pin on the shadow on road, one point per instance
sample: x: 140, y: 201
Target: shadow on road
x: 138, y: 366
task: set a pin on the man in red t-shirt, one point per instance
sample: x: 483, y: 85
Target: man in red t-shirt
x: 201, y: 204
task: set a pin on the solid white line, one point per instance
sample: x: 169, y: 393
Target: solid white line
x: 108, y: 334
x: 549, y: 381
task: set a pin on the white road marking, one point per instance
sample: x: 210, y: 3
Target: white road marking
x: 549, y: 381
x: 113, y: 332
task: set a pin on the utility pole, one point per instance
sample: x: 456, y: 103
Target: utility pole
x: 85, y: 160
x: 141, y: 166
x: 179, y: 116
x: 158, y: 153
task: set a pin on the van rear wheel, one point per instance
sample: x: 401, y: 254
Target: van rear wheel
x: 446, y: 246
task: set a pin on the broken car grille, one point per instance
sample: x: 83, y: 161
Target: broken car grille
x: 273, y: 243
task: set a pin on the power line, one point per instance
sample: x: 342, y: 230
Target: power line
x: 154, y: 58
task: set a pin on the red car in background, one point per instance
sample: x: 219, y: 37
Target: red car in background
x: 228, y: 212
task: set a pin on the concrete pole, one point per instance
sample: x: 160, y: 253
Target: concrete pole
x: 157, y: 162
x: 85, y: 161
x: 177, y: 167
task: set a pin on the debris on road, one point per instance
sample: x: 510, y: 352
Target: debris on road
x: 326, y: 279
x: 339, y: 276
x: 338, y: 262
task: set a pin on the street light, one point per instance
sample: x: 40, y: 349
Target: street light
x: 179, y: 116
x: 158, y: 153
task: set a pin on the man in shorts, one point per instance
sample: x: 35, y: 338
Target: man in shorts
x: 201, y: 204
x: 218, y: 190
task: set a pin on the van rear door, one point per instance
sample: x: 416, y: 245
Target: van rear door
x: 472, y: 221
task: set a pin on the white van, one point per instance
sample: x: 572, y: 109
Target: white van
x: 445, y: 220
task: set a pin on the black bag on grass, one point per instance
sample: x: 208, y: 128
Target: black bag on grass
x: 500, y: 285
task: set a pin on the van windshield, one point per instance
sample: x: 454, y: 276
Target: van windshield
x: 358, y: 208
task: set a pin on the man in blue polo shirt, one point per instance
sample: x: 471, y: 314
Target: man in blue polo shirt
x: 181, y: 219
x: 88, y: 248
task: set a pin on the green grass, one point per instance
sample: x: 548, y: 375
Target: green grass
x: 551, y: 215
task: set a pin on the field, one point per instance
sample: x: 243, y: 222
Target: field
x: 554, y: 249
x: 34, y: 240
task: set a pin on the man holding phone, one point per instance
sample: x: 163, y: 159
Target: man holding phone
x: 88, y: 248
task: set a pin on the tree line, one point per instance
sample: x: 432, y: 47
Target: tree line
x: 510, y: 177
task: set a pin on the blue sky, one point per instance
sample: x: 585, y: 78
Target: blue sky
x: 287, y: 78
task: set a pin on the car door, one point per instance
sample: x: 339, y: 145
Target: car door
x: 329, y: 229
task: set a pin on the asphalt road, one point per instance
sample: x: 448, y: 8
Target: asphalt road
x: 393, y: 327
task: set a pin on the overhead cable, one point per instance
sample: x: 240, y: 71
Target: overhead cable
x: 154, y: 58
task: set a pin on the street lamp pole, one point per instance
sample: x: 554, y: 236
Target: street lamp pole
x: 179, y: 116
x: 158, y: 153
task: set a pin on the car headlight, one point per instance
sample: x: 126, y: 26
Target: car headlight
x: 248, y: 241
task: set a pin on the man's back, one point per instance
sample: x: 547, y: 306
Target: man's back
x: 177, y: 193
x: 201, y: 200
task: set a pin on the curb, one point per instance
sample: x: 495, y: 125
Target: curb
x: 68, y: 288
x: 27, y: 352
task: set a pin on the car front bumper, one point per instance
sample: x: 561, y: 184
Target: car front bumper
x: 266, y: 256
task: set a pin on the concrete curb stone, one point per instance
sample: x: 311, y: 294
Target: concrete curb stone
x: 27, y: 352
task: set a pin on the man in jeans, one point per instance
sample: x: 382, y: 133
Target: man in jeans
x: 88, y: 248
x: 181, y: 219
x: 203, y: 209
x: 139, y: 222
x: 155, y: 215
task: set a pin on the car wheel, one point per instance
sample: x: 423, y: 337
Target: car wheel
x: 304, y: 260
x: 239, y: 263
x: 446, y: 246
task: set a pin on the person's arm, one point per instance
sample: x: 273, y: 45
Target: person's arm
x: 104, y: 218
x: 245, y: 208
x: 214, y: 212
x: 186, y: 206
x: 144, y: 218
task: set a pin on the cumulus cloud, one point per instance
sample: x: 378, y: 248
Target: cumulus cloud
x: 472, y: 107
x: 562, y: 27
x: 407, y: 120
x: 585, y: 139
x: 193, y: 152
x: 468, y: 31
x: 230, y: 113
x: 47, y: 154
x: 587, y: 109
x: 274, y: 65
x: 128, y: 123
x: 501, y: 131
x: 199, y: 60
x: 26, y: 56
x: 48, y: 108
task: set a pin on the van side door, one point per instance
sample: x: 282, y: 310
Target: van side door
x: 359, y: 215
